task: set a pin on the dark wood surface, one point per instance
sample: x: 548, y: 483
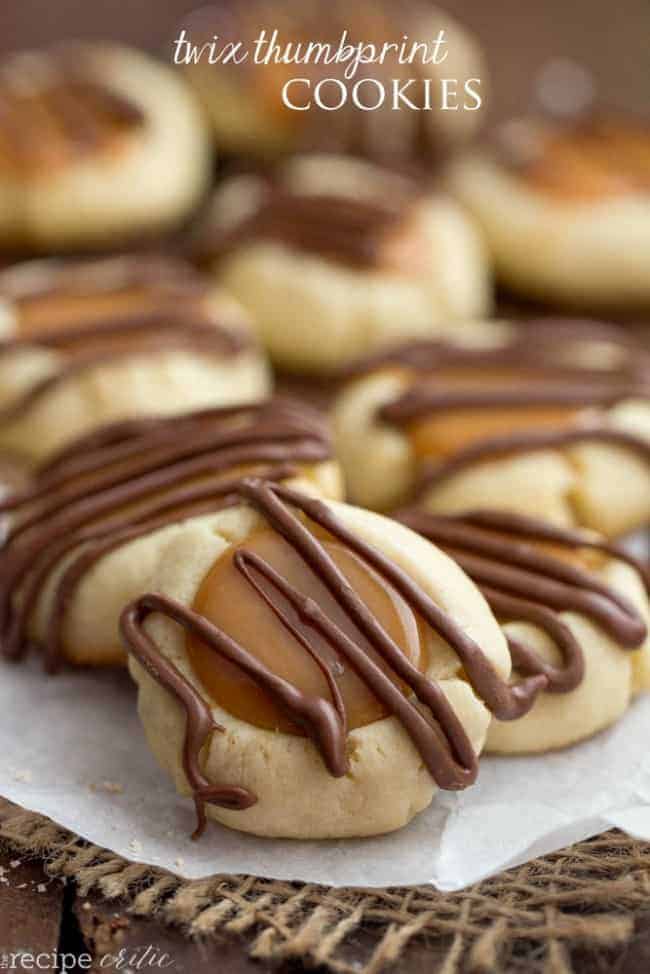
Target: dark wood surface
x: 41, y: 915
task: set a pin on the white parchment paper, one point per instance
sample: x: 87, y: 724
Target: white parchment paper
x: 73, y: 749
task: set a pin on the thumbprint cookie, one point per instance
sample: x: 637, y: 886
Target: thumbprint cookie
x: 333, y: 257
x: 99, y: 144
x: 86, y: 342
x: 565, y: 210
x: 573, y: 607
x: 308, y: 669
x: 88, y: 530
x: 549, y: 418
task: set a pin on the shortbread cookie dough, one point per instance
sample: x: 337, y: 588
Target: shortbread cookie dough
x: 99, y: 144
x: 244, y: 98
x: 549, y: 418
x: 573, y: 608
x: 88, y: 532
x: 86, y: 342
x: 333, y: 257
x: 312, y: 670
x: 565, y: 210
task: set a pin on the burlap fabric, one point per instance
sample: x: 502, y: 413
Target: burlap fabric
x: 527, y: 919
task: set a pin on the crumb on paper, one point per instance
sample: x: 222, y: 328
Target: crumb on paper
x: 135, y: 846
x: 179, y: 863
x: 110, y: 787
x: 23, y: 775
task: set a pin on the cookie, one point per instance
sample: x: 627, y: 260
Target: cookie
x: 249, y: 93
x: 99, y: 144
x: 88, y: 532
x: 573, y: 607
x: 565, y: 209
x: 86, y: 342
x: 307, y: 669
x: 333, y: 257
x: 547, y: 418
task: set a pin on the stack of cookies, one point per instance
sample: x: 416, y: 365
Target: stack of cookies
x: 328, y: 617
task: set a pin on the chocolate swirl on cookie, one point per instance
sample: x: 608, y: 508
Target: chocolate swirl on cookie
x: 55, y: 108
x: 553, y: 347
x: 425, y: 713
x: 344, y: 229
x: 174, y: 317
x: 126, y: 480
x: 534, y: 369
x: 505, y: 556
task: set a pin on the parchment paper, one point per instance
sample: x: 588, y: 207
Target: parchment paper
x: 73, y: 749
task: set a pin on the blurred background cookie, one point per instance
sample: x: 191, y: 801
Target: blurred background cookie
x: 86, y: 342
x: 333, y: 257
x: 88, y: 532
x: 99, y: 144
x: 245, y: 103
x: 565, y: 208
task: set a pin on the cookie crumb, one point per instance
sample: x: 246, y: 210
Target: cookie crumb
x: 112, y: 787
x: 14, y: 863
x: 86, y: 905
x: 135, y: 846
x: 41, y: 888
x: 179, y: 863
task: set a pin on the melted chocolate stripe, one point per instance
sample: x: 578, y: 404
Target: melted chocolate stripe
x: 522, y: 583
x: 504, y: 701
x: 340, y: 227
x: 200, y: 723
x: 423, y: 401
x: 542, y: 344
x: 132, y: 493
x: 518, y: 567
x: 528, y: 442
x: 82, y: 111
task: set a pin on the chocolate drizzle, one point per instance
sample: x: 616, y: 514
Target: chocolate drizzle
x: 543, y: 350
x: 348, y: 230
x: 126, y: 480
x: 55, y: 107
x: 177, y: 320
x: 425, y: 714
x: 495, y: 447
x: 498, y: 550
x: 550, y: 346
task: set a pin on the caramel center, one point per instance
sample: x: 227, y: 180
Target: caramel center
x: 444, y: 432
x: 228, y: 600
x: 53, y: 312
x: 606, y: 160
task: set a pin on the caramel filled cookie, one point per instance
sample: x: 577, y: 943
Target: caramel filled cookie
x: 262, y: 107
x: 565, y: 209
x: 333, y: 257
x: 98, y: 144
x: 86, y: 342
x: 309, y: 669
x: 89, y: 531
x: 550, y: 418
x: 573, y: 607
